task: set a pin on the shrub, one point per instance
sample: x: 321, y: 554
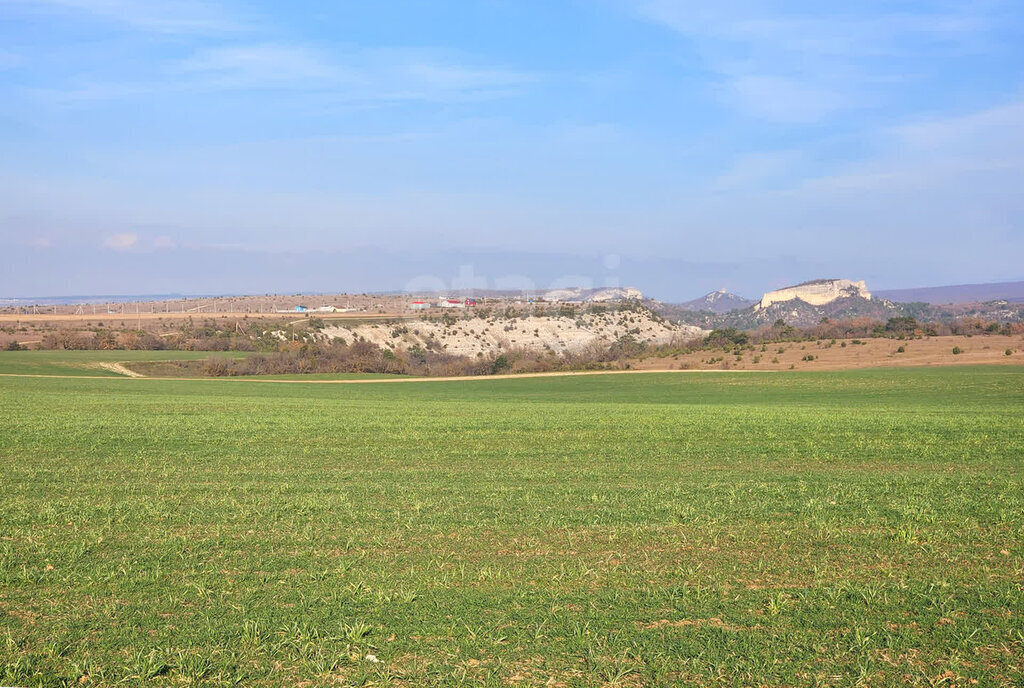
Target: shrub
x: 1009, y: 352
x: 727, y: 336
x: 216, y: 367
x: 902, y: 325
x: 626, y: 346
x: 500, y: 365
x: 901, y: 350
x: 957, y: 351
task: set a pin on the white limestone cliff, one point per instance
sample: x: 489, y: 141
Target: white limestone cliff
x: 817, y: 292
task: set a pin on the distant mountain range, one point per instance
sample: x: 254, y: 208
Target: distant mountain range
x: 958, y: 293
x: 839, y: 299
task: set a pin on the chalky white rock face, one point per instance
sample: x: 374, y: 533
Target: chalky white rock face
x: 817, y: 293
x: 493, y: 335
x: 599, y: 295
x: 616, y: 294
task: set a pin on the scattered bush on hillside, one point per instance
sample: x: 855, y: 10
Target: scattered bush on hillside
x: 726, y: 337
x: 626, y: 346
x: 902, y: 326
x: 298, y: 347
x: 500, y: 365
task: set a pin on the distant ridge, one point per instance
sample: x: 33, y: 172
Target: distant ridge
x: 958, y: 293
x: 93, y: 298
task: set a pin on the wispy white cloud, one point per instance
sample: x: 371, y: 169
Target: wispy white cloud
x: 786, y: 99
x: 783, y: 27
x: 332, y: 74
x: 453, y: 77
x: 997, y: 133
x: 385, y: 72
x: 780, y: 63
x: 926, y: 183
x: 260, y: 64
x: 136, y: 243
x: 756, y: 170
x: 928, y: 186
x: 122, y: 241
x: 158, y: 16
x: 979, y: 153
x: 355, y: 77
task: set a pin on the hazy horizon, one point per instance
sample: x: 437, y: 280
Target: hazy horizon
x: 185, y: 146
x: 609, y: 272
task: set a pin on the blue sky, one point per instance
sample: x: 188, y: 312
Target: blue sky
x: 215, y: 147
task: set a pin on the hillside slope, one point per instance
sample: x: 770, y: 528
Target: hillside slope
x: 802, y: 314
x: 475, y: 335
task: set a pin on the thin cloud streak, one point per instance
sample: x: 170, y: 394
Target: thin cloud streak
x: 186, y: 17
x: 779, y: 65
x: 364, y: 76
x: 260, y: 65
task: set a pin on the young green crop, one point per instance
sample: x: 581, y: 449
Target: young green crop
x: 675, y: 529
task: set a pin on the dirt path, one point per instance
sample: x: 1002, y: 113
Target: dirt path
x: 132, y: 375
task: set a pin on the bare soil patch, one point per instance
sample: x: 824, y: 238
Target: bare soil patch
x: 845, y: 354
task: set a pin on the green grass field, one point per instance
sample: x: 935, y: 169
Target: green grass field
x: 148, y: 363
x: 635, y: 530
x: 87, y: 363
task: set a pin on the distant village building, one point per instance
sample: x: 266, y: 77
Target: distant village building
x: 452, y: 303
x: 419, y: 305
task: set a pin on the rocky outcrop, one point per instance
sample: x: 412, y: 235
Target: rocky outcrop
x: 817, y: 292
x: 473, y: 336
x: 599, y: 295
